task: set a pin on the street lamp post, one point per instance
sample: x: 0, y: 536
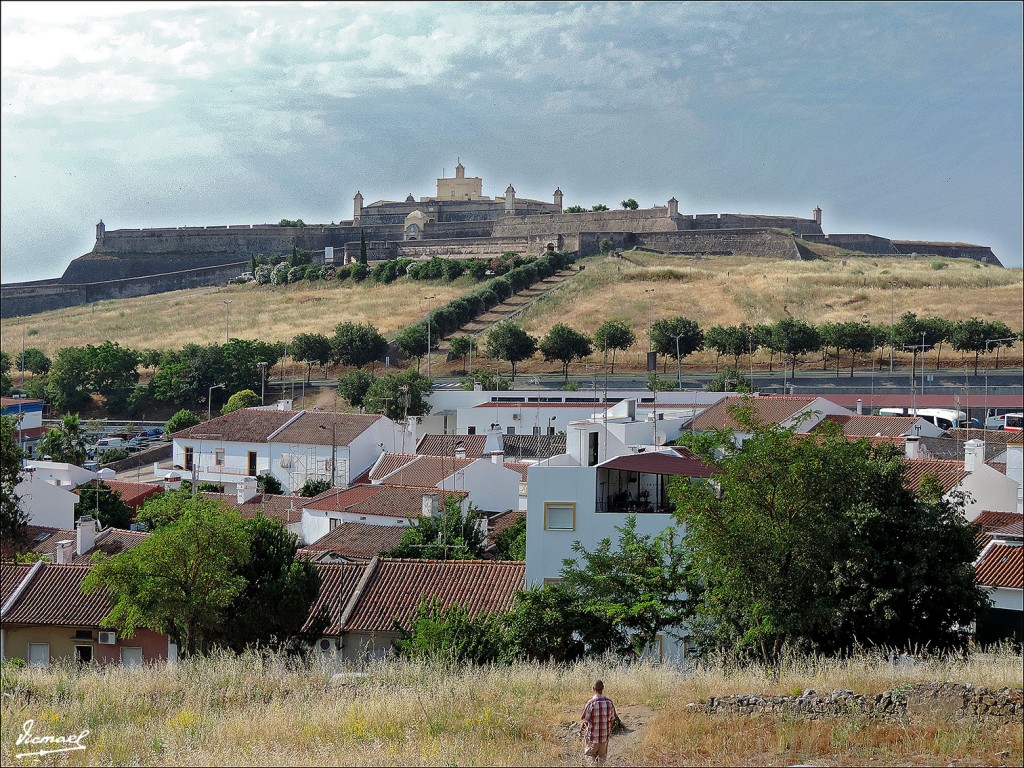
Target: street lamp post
x: 226, y: 303
x: 209, y: 400
x: 429, y: 310
x: 650, y: 319
x: 262, y: 365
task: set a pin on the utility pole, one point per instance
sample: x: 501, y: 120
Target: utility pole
x: 429, y: 310
x: 892, y: 319
x: 226, y: 313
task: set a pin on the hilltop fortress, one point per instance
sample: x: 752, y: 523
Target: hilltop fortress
x: 458, y: 222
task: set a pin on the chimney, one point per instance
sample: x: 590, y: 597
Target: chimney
x: 460, y: 450
x: 86, y: 529
x: 62, y: 552
x: 246, y: 489
x: 498, y: 457
x: 912, y: 447
x: 860, y: 407
x: 430, y: 504
x: 974, y: 454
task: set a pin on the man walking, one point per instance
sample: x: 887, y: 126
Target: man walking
x: 596, y: 728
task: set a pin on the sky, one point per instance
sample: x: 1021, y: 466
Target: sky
x: 901, y: 120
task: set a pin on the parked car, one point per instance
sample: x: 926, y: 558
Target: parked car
x: 105, y: 444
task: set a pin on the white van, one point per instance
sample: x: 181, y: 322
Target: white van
x: 105, y: 444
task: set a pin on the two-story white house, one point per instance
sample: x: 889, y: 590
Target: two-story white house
x: 293, y: 446
x: 47, y: 492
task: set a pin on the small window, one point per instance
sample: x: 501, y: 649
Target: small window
x: 471, y: 431
x: 131, y: 657
x: 536, y: 430
x: 218, y: 457
x: 335, y: 522
x: 560, y: 516
x: 39, y: 654
x: 83, y: 653
x: 189, y: 452
x: 510, y: 431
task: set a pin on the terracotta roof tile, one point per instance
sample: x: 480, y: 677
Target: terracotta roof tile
x: 246, y: 425
x: 388, y: 463
x: 1001, y: 565
x: 948, y: 473
x: 132, y: 494
x: 358, y: 540
x: 873, y: 426
x: 989, y: 521
x: 287, y: 509
x: 534, y: 446
x: 384, y: 500
x: 54, y: 597
x: 424, y: 471
x: 673, y: 462
x: 396, y: 588
x: 111, y: 541
x: 519, y: 466
x: 315, y: 428
x: 769, y: 409
x: 990, y: 436
x: 445, y: 445
x: 502, y: 521
x: 11, y: 575
x: 337, y: 583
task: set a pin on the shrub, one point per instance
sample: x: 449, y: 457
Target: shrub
x: 939, y: 265
x: 359, y: 272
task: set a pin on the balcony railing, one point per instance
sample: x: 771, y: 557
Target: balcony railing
x: 231, y: 468
x: 636, y: 507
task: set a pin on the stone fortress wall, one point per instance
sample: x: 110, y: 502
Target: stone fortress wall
x: 137, y: 262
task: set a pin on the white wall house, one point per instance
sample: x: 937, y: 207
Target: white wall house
x: 45, y: 503
x: 293, y: 446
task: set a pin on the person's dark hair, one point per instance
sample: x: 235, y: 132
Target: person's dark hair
x: 599, y: 686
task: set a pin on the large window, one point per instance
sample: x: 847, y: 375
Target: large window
x: 189, y: 452
x: 559, y: 516
x: 39, y: 654
x: 131, y: 657
x: 218, y: 457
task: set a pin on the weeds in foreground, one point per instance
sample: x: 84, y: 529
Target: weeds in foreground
x: 258, y: 709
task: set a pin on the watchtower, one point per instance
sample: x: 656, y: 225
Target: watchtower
x: 510, y: 200
x: 558, y: 198
x: 357, y: 208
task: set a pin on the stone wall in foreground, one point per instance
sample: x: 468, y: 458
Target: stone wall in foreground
x: 921, y: 702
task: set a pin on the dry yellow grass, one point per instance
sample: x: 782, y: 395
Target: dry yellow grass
x: 724, y: 290
x: 268, y: 313
x: 256, y: 711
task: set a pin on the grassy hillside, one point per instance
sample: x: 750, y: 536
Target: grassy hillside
x: 713, y: 291
x: 254, y: 711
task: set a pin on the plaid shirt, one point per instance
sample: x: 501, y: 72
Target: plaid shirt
x: 599, y: 716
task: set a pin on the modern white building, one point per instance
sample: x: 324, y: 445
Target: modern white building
x: 293, y: 446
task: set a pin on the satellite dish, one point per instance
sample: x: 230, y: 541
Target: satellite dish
x: 659, y: 438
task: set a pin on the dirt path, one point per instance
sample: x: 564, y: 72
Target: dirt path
x: 635, y: 719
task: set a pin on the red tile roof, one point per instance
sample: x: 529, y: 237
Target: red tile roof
x: 989, y: 522
x: 254, y: 425
x: 496, y: 524
x: 989, y: 436
x: 423, y: 471
x: 388, y: 463
x: 385, y: 500
x: 583, y: 404
x: 949, y: 473
x: 54, y: 597
x: 320, y: 428
x: 132, y: 494
x: 246, y: 425
x: 6, y: 401
x: 111, y: 541
x: 873, y: 426
x: 287, y: 509
x: 1001, y: 565
x: 768, y: 409
x: 362, y: 541
x: 11, y: 575
x: 394, y: 590
x: 337, y: 584
x: 445, y: 445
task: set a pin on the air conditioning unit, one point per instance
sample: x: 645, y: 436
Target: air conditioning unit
x: 325, y: 644
x: 107, y: 638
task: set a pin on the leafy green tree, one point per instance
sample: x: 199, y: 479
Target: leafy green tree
x: 412, y: 340
x: 461, y: 346
x: 794, y: 338
x: 665, y: 331
x: 510, y: 544
x: 362, y: 248
x: 641, y: 585
x: 70, y: 379
x: 5, y: 373
x: 244, y: 399
x: 452, y: 635
x: 314, y: 487
x: 267, y: 483
x: 970, y: 336
x: 66, y: 442
x: 488, y: 381
x: 937, y: 331
x: 630, y: 204
x: 854, y: 337
x: 613, y: 335
x: 354, y: 385
x: 575, y: 209
x: 727, y: 340
x: 999, y: 335
x: 599, y: 207
x: 165, y: 508
x: 310, y: 348
x: 814, y: 544
x: 729, y: 380
x: 449, y: 535
x: 357, y: 345
x: 564, y: 344
x: 104, y: 503
x: 180, y: 580
x: 183, y: 419
x: 547, y: 624
x: 279, y: 589
x: 397, y: 395
x: 114, y: 372
x: 507, y: 341
x: 237, y: 363
x: 34, y: 360
x: 13, y: 517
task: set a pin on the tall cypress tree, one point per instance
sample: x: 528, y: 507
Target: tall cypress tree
x: 362, y: 247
